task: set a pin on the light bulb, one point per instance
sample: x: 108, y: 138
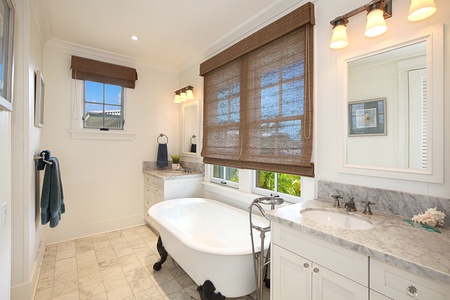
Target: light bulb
x: 421, y: 9
x: 339, y: 39
x: 376, y: 24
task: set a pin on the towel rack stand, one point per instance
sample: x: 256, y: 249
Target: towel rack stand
x: 162, y: 135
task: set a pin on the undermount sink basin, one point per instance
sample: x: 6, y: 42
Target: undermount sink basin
x: 337, y: 219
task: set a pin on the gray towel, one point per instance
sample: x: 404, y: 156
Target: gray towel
x: 162, y: 159
x: 52, y: 200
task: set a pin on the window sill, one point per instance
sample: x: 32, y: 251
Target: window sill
x: 95, y: 134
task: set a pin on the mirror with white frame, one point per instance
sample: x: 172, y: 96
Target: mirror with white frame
x: 190, y: 129
x: 393, y: 110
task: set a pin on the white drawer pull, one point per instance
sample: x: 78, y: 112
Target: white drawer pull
x: 306, y: 265
x: 316, y: 270
x: 412, y: 291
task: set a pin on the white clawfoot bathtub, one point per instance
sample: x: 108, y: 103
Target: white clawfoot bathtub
x: 211, y: 241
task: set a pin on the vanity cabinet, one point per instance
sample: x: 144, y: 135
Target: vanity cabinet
x: 160, y: 188
x: 303, y: 268
x: 398, y: 284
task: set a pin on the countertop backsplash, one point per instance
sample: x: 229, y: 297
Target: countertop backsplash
x: 195, y: 167
x: 394, y: 202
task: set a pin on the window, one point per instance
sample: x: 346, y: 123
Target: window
x: 103, y: 106
x: 287, y: 186
x: 258, y: 99
x: 225, y: 175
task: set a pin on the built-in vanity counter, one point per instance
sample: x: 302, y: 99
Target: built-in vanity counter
x: 160, y: 185
x: 393, y: 260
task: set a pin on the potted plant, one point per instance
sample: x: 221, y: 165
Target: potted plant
x: 175, y: 161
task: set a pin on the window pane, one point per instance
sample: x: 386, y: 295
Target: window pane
x: 279, y: 182
x: 113, y: 94
x: 93, y: 115
x: 289, y: 184
x: 266, y: 180
x: 93, y: 92
x: 113, y: 117
x: 232, y: 174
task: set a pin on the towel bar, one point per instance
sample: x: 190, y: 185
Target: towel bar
x: 38, y: 157
x: 162, y: 135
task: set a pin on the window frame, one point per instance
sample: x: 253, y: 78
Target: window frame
x: 265, y: 192
x: 223, y: 181
x: 103, y: 103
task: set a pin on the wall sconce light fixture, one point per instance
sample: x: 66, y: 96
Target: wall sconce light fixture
x: 184, y: 94
x: 377, y: 12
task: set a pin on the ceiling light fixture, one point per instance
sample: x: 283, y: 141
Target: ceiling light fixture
x: 134, y: 37
x: 184, y: 94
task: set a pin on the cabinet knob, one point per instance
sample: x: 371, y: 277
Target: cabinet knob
x: 316, y: 270
x: 306, y: 265
x: 412, y: 291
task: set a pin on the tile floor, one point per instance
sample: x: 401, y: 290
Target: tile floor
x: 116, y: 265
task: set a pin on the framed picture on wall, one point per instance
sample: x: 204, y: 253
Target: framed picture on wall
x: 6, y: 54
x: 367, y: 117
x: 39, y: 99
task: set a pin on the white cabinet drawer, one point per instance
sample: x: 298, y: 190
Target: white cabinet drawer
x: 348, y: 263
x: 399, y: 284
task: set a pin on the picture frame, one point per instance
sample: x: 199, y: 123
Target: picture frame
x: 367, y: 117
x: 7, y: 14
x: 39, y: 99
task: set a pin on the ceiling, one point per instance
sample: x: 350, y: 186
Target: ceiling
x: 171, y: 32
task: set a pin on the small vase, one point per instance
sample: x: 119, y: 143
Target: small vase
x: 175, y: 166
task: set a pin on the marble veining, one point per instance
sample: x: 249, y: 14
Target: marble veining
x: 392, y: 240
x: 394, y: 202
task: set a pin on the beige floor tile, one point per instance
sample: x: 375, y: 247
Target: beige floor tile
x: 151, y: 293
x: 89, y: 280
x: 44, y: 294
x: 73, y: 295
x: 120, y: 293
x: 92, y: 290
x: 63, y: 254
x: 169, y: 287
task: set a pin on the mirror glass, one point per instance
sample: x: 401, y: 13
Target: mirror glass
x: 387, y: 108
x: 190, y: 129
x: 392, y: 110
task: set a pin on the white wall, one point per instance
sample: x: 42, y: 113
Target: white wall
x: 5, y: 197
x: 102, y: 179
x: 26, y: 235
x: 327, y: 100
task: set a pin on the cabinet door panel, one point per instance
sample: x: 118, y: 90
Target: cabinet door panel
x: 328, y: 285
x: 290, y: 276
x: 377, y: 296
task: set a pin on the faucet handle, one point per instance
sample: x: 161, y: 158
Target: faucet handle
x: 336, y: 200
x: 367, y: 209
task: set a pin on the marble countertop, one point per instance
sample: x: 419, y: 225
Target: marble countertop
x: 169, y: 174
x: 392, y: 240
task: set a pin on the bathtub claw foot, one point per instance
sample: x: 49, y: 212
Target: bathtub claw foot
x: 206, y: 292
x: 162, y: 252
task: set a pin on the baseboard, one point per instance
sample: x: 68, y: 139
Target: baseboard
x: 61, y: 233
x: 26, y: 290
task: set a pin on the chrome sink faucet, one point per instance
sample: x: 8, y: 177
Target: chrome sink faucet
x: 350, y: 205
x: 336, y: 200
x: 367, y: 210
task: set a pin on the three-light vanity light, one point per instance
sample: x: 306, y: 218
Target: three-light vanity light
x: 377, y: 12
x: 184, y: 94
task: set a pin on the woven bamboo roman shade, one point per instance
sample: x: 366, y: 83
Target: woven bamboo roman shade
x: 258, y: 102
x: 93, y: 70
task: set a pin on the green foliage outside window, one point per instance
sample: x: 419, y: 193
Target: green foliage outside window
x: 286, y: 183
